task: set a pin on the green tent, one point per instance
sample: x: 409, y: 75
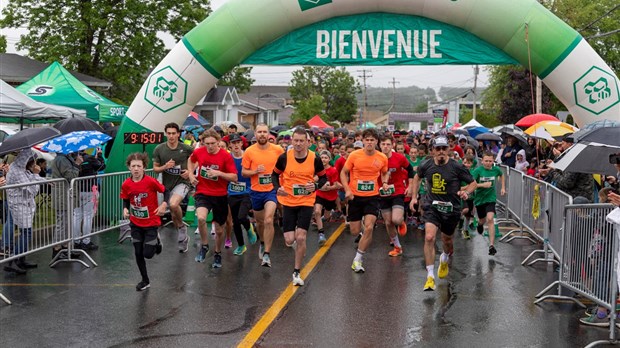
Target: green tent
x: 56, y: 85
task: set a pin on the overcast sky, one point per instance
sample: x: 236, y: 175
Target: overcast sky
x: 421, y: 76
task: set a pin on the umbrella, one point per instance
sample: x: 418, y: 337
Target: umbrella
x: 488, y: 137
x: 240, y: 128
x: 601, y: 124
x: 550, y: 130
x: 474, y: 131
x: 532, y: 119
x: 605, y: 136
x: 473, y: 142
x: 520, y: 138
x: 587, y: 157
x: 77, y: 123
x: 460, y: 131
x: 195, y: 120
x: 28, y: 138
x: 277, y: 129
x: 75, y: 141
x: 286, y: 132
x: 507, y: 128
x: 248, y: 134
x: 343, y: 131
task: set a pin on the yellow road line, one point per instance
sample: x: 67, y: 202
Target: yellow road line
x: 263, y: 323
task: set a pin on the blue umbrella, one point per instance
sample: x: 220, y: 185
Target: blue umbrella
x: 75, y: 141
x: 475, y: 131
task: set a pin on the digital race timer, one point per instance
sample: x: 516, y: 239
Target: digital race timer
x: 144, y: 138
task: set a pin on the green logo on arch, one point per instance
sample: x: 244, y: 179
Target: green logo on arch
x: 310, y: 4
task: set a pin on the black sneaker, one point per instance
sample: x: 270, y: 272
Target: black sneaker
x: 492, y: 250
x: 142, y: 286
x: 217, y: 261
x: 480, y: 229
x: 90, y: 246
x: 14, y: 268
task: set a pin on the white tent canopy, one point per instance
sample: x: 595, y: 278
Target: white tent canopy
x: 16, y: 107
x: 471, y: 124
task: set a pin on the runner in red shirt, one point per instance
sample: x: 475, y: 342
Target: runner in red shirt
x: 216, y: 168
x: 326, y: 197
x: 392, y: 202
x: 341, y: 204
x: 139, y: 195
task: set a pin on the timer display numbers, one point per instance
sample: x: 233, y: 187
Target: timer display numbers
x: 144, y: 138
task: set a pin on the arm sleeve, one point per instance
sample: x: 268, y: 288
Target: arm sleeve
x: 126, y: 203
x: 410, y: 171
x: 277, y: 170
x: 319, y: 169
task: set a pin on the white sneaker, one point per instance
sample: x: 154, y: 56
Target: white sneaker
x: 297, y: 279
x: 197, y: 231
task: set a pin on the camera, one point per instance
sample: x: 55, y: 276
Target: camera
x: 614, y: 158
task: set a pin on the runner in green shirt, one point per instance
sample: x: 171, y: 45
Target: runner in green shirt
x: 485, y: 196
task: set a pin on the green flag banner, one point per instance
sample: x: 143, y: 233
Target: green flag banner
x: 379, y: 39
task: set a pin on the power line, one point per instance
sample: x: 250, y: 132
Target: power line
x: 601, y: 17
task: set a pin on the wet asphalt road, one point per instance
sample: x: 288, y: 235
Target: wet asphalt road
x: 485, y: 301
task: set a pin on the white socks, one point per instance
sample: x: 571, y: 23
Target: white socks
x: 430, y: 270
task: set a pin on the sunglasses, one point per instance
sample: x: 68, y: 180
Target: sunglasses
x: 441, y: 148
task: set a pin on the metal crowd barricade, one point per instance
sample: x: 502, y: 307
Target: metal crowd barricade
x: 30, y: 221
x: 96, y: 206
x: 589, y: 255
x: 517, y: 206
x: 502, y: 201
x: 555, y: 202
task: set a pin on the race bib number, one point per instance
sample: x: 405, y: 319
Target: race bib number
x: 264, y: 179
x: 365, y: 186
x: 487, y: 178
x: 442, y: 207
x: 176, y: 170
x: 236, y: 186
x: 139, y: 212
x: 300, y: 190
x: 390, y: 191
x: 203, y: 173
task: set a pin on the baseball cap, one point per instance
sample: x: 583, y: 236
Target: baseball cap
x: 358, y: 144
x: 234, y: 137
x: 568, y: 138
x: 287, y: 137
x: 440, y: 141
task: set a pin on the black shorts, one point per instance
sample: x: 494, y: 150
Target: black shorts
x: 217, y: 205
x: 360, y: 206
x: 327, y: 204
x: 146, y: 235
x: 387, y: 203
x: 469, y: 204
x: 485, y: 208
x: 446, y: 222
x: 296, y: 217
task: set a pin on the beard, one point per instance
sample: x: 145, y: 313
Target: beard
x: 441, y: 160
x: 262, y: 141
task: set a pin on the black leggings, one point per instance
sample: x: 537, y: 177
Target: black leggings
x: 240, y: 205
x: 144, y: 244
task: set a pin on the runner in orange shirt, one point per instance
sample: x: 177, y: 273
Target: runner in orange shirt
x: 359, y: 178
x: 258, y: 163
x: 297, y: 168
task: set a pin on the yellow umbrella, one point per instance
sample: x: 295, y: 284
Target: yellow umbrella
x: 550, y: 130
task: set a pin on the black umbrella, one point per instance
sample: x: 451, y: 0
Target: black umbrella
x: 606, y: 136
x: 460, y: 131
x: 111, y: 131
x: 343, y: 131
x: 77, y: 123
x: 586, y: 157
x: 28, y: 138
x: 277, y: 129
x: 473, y: 142
x: 488, y: 136
x: 520, y: 138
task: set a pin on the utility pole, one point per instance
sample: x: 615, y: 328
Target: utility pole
x: 393, y: 83
x: 538, y: 95
x: 476, y: 71
x: 364, y: 76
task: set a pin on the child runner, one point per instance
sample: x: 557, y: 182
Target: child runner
x: 468, y: 208
x: 485, y: 197
x: 326, y: 196
x: 139, y: 195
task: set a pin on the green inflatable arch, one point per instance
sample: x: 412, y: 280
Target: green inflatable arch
x: 258, y: 32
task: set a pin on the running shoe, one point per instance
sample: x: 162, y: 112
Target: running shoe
x: 266, y: 261
x: 217, y: 261
x: 322, y: 239
x: 492, y: 250
x: 197, y: 231
x: 228, y: 244
x: 591, y: 311
x: 430, y: 284
x: 202, y: 253
x: 182, y: 233
x: 142, y: 286
x: 240, y: 250
x: 397, y: 251
x: 402, y: 229
x: 594, y: 320
x: 443, y: 269
x: 184, y: 245
x: 297, y: 281
x: 261, y: 251
x: 252, y: 234
x: 465, y: 234
x: 357, y: 267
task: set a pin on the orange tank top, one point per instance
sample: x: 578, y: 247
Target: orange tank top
x: 295, y: 176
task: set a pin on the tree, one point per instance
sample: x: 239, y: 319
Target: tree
x: 307, y: 108
x: 2, y: 44
x: 239, y: 77
x: 335, y: 86
x: 486, y: 118
x: 109, y: 39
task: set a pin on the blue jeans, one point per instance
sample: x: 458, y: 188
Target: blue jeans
x: 8, y: 228
x: 22, y: 243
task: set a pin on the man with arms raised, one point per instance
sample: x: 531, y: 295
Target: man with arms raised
x: 441, y: 205
x: 258, y: 163
x: 297, y: 168
x: 170, y: 159
x: 359, y: 179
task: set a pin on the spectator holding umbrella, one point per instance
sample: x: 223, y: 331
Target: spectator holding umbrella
x: 22, y: 205
x: 509, y: 154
